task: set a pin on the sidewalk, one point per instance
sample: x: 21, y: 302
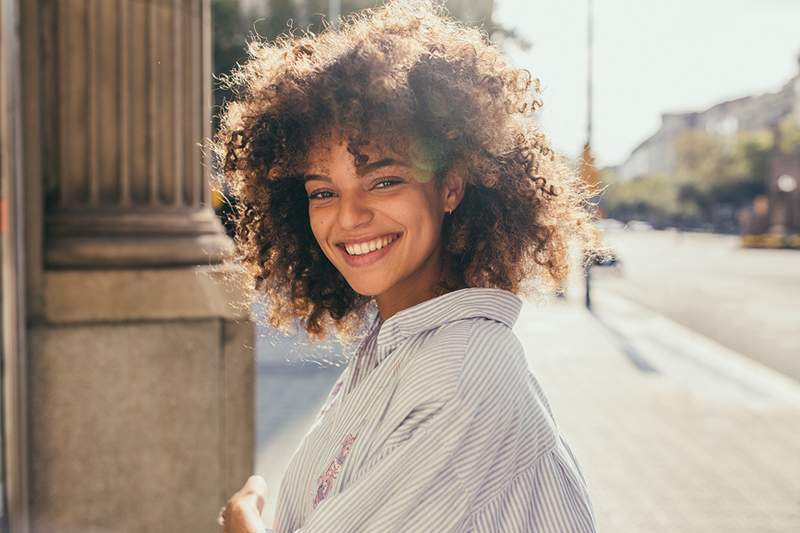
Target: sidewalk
x: 673, y: 432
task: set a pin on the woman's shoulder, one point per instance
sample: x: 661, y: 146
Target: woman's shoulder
x: 495, y: 365
x: 433, y: 367
x: 465, y: 357
x: 478, y: 366
x: 497, y: 384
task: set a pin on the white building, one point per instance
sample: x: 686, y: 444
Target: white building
x: 656, y: 154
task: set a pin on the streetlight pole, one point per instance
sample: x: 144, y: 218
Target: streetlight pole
x: 587, y: 165
x: 589, y: 46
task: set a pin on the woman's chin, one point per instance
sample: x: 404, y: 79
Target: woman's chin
x: 366, y: 287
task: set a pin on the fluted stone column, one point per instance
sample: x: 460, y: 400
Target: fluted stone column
x: 141, y: 368
x: 130, y: 94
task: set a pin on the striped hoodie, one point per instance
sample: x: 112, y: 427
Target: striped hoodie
x: 436, y: 425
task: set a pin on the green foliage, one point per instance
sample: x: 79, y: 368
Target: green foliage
x: 701, y: 158
x: 714, y: 177
x: 752, y: 157
x: 232, y: 28
x: 790, y: 135
x: 229, y: 30
x: 710, y: 161
x: 646, y: 197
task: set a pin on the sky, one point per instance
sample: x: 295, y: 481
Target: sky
x: 650, y: 57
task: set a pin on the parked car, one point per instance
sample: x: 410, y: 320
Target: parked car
x: 611, y: 259
x: 610, y: 224
x: 638, y: 225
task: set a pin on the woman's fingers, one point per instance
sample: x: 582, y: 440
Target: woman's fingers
x: 242, y: 513
x: 243, y: 517
x: 256, y: 485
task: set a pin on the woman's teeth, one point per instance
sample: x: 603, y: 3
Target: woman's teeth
x: 367, y: 247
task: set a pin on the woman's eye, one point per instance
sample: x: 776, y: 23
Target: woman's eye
x: 390, y: 182
x: 317, y: 195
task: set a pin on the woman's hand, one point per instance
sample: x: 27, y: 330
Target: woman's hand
x: 242, y: 513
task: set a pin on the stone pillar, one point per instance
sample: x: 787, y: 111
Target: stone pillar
x: 128, y: 96
x: 141, y: 370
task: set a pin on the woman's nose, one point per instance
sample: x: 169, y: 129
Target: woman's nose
x: 353, y: 211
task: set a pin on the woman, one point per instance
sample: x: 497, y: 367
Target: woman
x: 393, y: 189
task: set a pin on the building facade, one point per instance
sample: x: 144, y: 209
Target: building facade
x: 656, y: 154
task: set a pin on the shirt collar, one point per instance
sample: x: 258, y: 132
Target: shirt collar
x: 472, y: 302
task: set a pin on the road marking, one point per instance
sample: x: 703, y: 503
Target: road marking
x: 705, y: 366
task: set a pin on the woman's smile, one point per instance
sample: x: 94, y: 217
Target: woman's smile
x: 365, y: 253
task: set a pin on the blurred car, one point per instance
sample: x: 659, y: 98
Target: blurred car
x: 610, y: 224
x: 638, y: 225
x: 611, y: 259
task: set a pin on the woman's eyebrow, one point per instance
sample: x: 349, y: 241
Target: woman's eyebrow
x: 386, y: 162
x: 365, y: 169
x: 309, y: 177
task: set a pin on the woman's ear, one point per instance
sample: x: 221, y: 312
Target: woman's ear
x: 453, y: 187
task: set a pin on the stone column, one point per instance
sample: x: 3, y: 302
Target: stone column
x: 141, y: 370
x: 128, y: 96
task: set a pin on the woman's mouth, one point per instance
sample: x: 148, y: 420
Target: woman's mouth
x: 363, y: 254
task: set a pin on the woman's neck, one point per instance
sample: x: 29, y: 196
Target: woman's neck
x: 417, y: 287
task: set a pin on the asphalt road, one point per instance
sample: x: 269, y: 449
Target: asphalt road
x: 746, y: 299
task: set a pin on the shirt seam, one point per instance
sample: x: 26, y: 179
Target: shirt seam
x: 476, y: 321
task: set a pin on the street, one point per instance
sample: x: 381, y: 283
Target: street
x: 746, y: 299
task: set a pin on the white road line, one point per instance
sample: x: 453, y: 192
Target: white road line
x: 702, y: 364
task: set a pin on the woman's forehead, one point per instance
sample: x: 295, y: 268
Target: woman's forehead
x: 374, y: 146
x: 404, y: 149
x: 323, y: 149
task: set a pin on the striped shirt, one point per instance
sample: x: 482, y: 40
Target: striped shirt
x: 437, y: 424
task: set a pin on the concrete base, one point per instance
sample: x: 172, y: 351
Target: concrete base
x: 140, y: 422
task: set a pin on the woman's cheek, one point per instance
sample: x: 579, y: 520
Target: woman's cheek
x: 316, y: 229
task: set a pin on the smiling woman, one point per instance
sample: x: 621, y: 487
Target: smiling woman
x: 377, y: 221
x: 392, y: 187
x: 406, y: 83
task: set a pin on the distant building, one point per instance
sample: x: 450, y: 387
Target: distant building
x: 656, y: 154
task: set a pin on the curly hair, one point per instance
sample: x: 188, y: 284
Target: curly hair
x: 405, y: 75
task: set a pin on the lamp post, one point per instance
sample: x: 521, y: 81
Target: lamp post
x: 588, y: 172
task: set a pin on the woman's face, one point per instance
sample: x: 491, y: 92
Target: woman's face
x: 378, y: 223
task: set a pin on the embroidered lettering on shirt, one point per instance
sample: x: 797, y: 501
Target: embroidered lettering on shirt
x: 325, y: 481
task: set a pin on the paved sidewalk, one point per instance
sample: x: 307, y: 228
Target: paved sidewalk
x: 673, y: 432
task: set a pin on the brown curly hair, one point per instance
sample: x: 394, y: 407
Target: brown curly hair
x: 402, y: 74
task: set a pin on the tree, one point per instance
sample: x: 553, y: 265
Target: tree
x: 722, y: 174
x: 789, y: 129
x: 715, y: 177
